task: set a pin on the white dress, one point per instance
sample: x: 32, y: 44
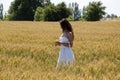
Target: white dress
x: 66, y: 55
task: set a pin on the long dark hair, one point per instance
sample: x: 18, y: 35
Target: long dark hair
x: 65, y: 25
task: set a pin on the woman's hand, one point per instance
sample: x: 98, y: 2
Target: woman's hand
x: 57, y: 43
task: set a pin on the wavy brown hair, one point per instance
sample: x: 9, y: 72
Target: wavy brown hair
x: 65, y: 25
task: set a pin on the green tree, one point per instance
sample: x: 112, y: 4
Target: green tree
x: 25, y: 9
x: 39, y: 3
x: 94, y: 11
x: 6, y: 17
x: 21, y: 10
x: 114, y: 16
x: 70, y: 18
x: 108, y: 16
x: 63, y: 11
x: 56, y: 13
x: 76, y: 12
x: 1, y: 11
x: 39, y: 14
x: 50, y: 13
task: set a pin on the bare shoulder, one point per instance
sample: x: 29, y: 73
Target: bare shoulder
x: 69, y: 35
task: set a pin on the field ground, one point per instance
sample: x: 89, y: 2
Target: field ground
x: 27, y: 51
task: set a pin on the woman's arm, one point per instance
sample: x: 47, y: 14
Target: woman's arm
x: 69, y: 35
x: 57, y: 43
x: 65, y: 44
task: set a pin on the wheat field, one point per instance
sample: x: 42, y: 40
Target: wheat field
x: 27, y: 51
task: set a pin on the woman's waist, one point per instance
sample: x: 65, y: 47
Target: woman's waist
x: 62, y: 46
x: 64, y: 41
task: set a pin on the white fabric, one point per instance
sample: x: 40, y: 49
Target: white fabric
x: 66, y: 54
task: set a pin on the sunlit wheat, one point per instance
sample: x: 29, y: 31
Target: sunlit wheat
x: 27, y: 51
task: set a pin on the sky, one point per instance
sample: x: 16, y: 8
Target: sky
x: 112, y: 6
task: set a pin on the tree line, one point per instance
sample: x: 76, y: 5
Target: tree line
x: 44, y: 10
x: 1, y: 11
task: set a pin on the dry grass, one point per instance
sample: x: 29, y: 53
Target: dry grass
x: 27, y: 51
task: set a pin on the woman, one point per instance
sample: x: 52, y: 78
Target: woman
x: 65, y: 42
